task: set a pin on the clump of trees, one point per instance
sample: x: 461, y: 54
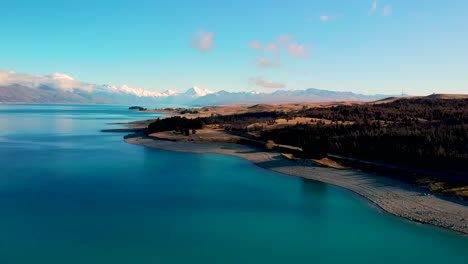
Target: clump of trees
x: 240, y: 122
x: 416, y: 145
x: 188, y: 111
x: 139, y: 108
x: 447, y: 111
x: 176, y: 123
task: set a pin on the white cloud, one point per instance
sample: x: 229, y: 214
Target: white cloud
x: 297, y: 50
x: 268, y: 47
x: 65, y: 82
x: 271, y: 47
x: 387, y: 10
x: 329, y: 17
x: 203, y: 41
x: 256, y: 44
x: 265, y: 63
x: 259, y: 81
x: 284, y: 38
x: 374, y: 7
x: 55, y: 80
x: 277, y: 48
x: 61, y: 76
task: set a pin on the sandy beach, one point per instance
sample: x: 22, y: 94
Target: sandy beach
x: 395, y: 197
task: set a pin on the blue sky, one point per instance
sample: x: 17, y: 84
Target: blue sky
x: 415, y: 46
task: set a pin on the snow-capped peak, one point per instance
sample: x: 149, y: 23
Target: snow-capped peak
x: 135, y: 91
x: 61, y: 76
x: 170, y: 92
x: 197, y: 91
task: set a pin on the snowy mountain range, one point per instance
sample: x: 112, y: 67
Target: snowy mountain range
x: 61, y: 88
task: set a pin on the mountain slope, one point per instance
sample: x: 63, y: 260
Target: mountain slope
x: 17, y: 93
x: 311, y: 95
x: 21, y: 94
x: 196, y: 91
x: 62, y: 88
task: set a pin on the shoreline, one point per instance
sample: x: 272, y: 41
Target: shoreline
x: 393, y: 196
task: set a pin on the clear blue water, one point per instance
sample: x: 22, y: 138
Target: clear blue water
x: 71, y: 194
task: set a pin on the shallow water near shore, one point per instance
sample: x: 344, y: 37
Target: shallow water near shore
x: 71, y: 194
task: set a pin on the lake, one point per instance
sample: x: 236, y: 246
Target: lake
x: 72, y: 194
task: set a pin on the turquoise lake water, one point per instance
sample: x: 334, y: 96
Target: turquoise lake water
x: 71, y: 194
